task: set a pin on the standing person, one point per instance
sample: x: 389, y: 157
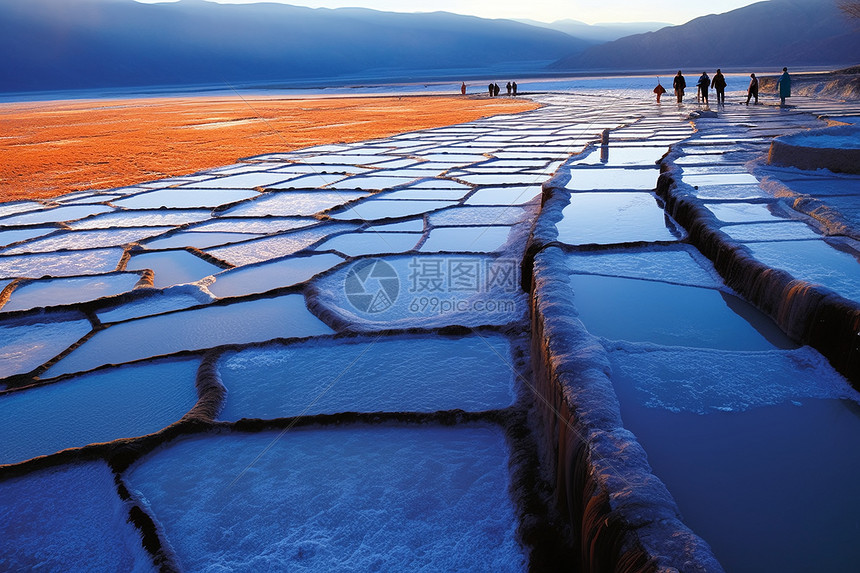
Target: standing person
x: 678, y: 84
x: 496, y: 89
x: 784, y: 86
x: 659, y: 90
x: 508, y: 88
x: 490, y: 89
x: 719, y: 84
x: 753, y: 89
x: 704, y: 84
x: 463, y: 88
x: 514, y: 86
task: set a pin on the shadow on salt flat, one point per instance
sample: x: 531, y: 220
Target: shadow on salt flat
x: 197, y: 329
x: 407, y: 374
x: 103, y: 406
x: 387, y: 498
x: 66, y: 517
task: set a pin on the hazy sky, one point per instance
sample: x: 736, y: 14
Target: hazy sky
x: 591, y: 11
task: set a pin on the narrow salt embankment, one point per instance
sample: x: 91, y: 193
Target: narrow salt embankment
x: 626, y: 314
x: 351, y: 319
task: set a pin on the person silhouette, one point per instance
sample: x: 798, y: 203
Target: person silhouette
x: 704, y: 84
x: 679, y: 84
x: 508, y: 87
x: 719, y: 84
x: 784, y: 86
x: 752, y: 91
x: 463, y: 88
x: 491, y: 89
x: 514, y: 86
x: 496, y: 89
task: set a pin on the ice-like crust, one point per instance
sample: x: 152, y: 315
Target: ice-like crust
x: 684, y: 266
x: 410, y: 226
x: 274, y: 247
x: 370, y: 243
x: 504, y: 195
x: 293, y: 203
x: 705, y: 381
x: 466, y: 239
x: 403, y: 374
x: 198, y: 240
x: 267, y: 276
x: 784, y: 231
x: 263, y: 226
x: 63, y: 291
x: 30, y: 342
x: 196, y: 329
x: 55, y: 215
x: 374, y: 209
x: 9, y: 237
x: 240, y: 181
x: 68, y: 518
x: 386, y: 498
x: 172, y: 267
x: 614, y: 217
x: 60, y: 264
x: 185, y: 198
x: 76, y: 240
x: 15, y: 207
x: 613, y: 178
x: 482, y: 216
x: 429, y: 291
x: 742, y: 212
x: 142, y: 219
x: 93, y: 408
x: 156, y: 301
x: 815, y: 262
x: 310, y: 181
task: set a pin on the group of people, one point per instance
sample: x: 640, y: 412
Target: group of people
x: 718, y: 84
x: 494, y: 89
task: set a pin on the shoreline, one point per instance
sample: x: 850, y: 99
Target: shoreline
x: 52, y: 148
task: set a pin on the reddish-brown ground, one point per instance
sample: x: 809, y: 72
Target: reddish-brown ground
x: 51, y: 148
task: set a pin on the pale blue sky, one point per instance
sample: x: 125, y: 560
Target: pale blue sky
x: 590, y: 11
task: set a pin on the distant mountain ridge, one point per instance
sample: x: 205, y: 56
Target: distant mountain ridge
x: 601, y: 32
x: 773, y: 33
x: 69, y: 44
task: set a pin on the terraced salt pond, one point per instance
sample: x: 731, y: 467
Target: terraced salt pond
x: 349, y: 325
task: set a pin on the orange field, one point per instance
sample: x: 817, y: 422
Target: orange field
x: 51, y: 148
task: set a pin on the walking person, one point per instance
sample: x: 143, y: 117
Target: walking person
x: 514, y: 86
x: 659, y: 90
x: 463, y: 88
x: 491, y: 88
x: 509, y: 87
x: 679, y: 84
x: 753, y: 89
x: 704, y: 85
x: 496, y: 89
x: 719, y: 84
x: 784, y: 86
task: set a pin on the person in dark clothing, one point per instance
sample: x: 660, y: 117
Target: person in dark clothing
x: 508, y: 88
x: 496, y: 89
x: 491, y: 89
x: 463, y: 88
x: 514, y: 86
x: 784, y: 86
x: 753, y: 89
x: 719, y: 84
x: 679, y: 84
x: 704, y: 84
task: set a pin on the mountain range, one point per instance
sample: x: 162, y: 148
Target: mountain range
x: 72, y: 44
x: 61, y: 44
x: 774, y: 33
